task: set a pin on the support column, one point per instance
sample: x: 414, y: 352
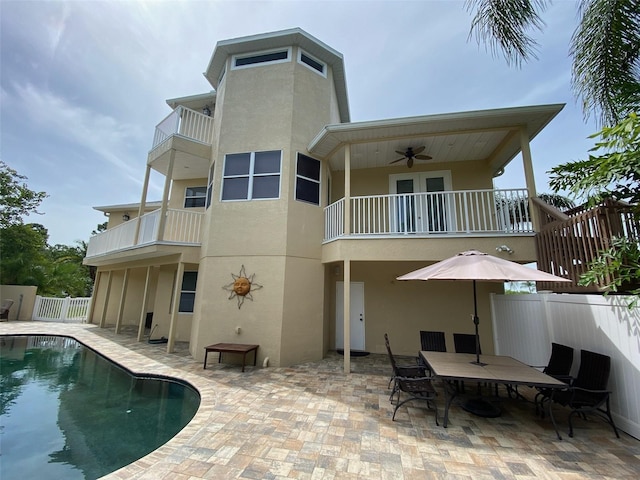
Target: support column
x: 103, y: 316
x: 94, y: 295
x: 165, y: 196
x: 143, y: 203
x: 346, y: 315
x: 143, y: 310
x: 529, y: 177
x: 123, y: 298
x: 347, y: 190
x: 175, y: 306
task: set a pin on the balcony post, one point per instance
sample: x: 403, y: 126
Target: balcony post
x: 165, y: 196
x: 143, y: 201
x: 347, y: 191
x: 529, y: 177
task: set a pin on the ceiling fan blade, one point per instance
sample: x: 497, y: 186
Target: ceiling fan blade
x: 399, y: 152
x: 410, y: 163
x: 418, y: 150
x: 423, y: 157
x: 396, y: 161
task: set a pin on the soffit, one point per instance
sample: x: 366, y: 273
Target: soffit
x: 490, y: 136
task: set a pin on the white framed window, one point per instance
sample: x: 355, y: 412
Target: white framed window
x: 251, y: 176
x: 312, y: 62
x: 267, y: 57
x: 188, y: 292
x: 195, y: 197
x: 307, y: 179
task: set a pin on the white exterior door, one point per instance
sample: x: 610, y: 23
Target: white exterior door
x: 412, y: 212
x: 356, y: 320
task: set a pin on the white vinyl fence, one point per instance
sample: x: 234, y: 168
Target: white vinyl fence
x: 525, y: 325
x: 68, y: 309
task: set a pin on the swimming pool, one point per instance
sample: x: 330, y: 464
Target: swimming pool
x: 67, y: 412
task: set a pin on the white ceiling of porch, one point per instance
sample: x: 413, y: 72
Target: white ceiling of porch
x: 491, y: 136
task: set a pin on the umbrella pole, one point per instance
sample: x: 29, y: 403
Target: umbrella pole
x: 476, y: 322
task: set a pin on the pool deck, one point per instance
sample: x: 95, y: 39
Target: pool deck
x: 311, y: 421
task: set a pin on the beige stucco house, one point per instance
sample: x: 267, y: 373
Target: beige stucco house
x: 266, y: 178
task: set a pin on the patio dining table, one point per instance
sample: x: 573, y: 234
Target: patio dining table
x: 496, y: 369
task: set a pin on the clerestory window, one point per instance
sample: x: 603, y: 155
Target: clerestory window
x: 261, y: 58
x: 312, y: 62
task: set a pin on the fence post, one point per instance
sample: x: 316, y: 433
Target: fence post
x: 36, y: 308
x: 64, y: 311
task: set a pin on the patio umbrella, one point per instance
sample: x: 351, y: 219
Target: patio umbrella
x: 475, y: 265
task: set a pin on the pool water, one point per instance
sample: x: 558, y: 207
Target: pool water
x: 68, y: 413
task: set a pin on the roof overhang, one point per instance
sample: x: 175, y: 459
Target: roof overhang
x: 285, y: 38
x: 491, y: 136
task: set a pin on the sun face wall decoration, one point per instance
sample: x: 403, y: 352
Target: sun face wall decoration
x: 242, y: 286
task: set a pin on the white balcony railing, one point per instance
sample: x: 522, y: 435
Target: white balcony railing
x: 452, y: 212
x: 186, y: 122
x: 182, y: 227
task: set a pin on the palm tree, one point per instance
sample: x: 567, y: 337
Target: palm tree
x: 605, y: 48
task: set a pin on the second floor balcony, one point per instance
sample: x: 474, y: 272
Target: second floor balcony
x: 462, y: 213
x: 181, y: 227
x: 189, y: 134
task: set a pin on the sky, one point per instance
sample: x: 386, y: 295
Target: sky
x: 84, y: 83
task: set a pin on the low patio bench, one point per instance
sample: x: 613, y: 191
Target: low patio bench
x: 231, y: 348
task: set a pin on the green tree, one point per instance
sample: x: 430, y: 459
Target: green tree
x: 16, y: 199
x: 612, y: 170
x: 24, y: 258
x: 605, y: 48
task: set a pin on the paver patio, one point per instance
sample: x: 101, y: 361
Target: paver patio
x: 311, y: 421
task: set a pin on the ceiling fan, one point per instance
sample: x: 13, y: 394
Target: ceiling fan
x: 410, y: 154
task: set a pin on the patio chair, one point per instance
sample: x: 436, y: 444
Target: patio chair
x: 411, y: 380
x: 559, y: 366
x: 588, y: 392
x: 4, y: 309
x: 433, y: 341
x: 465, y: 343
x: 400, y: 371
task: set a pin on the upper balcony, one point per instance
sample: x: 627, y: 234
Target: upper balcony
x: 189, y: 135
x: 181, y: 228
x: 461, y: 213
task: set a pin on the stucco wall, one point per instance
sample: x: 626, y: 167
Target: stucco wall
x: 24, y: 299
x: 403, y: 308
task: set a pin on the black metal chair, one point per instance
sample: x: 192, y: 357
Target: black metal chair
x: 411, y: 380
x: 433, y: 341
x: 588, y: 391
x: 559, y: 366
x: 465, y: 343
x: 401, y: 371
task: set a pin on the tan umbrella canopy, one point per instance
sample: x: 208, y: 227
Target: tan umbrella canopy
x: 475, y: 265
